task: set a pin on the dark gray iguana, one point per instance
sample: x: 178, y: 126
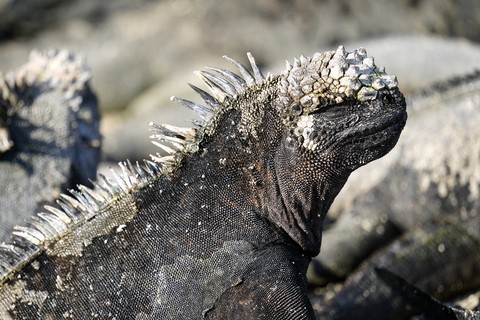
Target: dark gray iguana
x: 50, y: 128
x: 225, y: 226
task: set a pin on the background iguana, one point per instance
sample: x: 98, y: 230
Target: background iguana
x: 224, y: 227
x: 51, y: 128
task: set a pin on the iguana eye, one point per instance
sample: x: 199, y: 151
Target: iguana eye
x: 296, y: 109
x: 387, y: 99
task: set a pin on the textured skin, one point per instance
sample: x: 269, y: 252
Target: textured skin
x: 427, y: 186
x: 433, y: 174
x: 52, y: 123
x: 224, y: 227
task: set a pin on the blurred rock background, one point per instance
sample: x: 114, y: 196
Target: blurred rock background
x: 141, y: 52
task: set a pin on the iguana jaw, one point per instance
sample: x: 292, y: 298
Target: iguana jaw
x: 377, y: 131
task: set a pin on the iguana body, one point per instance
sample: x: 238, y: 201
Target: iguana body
x: 224, y: 227
x: 51, y: 125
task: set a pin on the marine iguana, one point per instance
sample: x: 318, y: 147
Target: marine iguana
x: 224, y: 226
x: 50, y: 123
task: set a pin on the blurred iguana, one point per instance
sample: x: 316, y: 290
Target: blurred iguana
x: 225, y: 226
x: 49, y: 134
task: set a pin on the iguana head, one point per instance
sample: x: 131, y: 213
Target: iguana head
x: 340, y: 108
x: 302, y: 133
x: 340, y: 112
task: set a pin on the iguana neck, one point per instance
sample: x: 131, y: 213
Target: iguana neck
x: 299, y: 201
x: 291, y: 202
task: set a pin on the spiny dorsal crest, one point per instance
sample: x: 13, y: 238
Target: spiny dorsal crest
x: 223, y: 84
x: 84, y: 205
x: 52, y: 69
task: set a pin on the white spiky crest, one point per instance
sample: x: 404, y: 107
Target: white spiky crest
x: 81, y: 205
x: 223, y: 84
x: 59, y: 69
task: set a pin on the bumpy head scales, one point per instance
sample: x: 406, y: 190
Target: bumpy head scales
x: 330, y: 78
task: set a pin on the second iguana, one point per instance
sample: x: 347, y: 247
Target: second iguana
x: 225, y: 226
x: 49, y: 134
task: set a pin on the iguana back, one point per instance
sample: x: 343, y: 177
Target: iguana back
x: 224, y: 227
x: 52, y: 122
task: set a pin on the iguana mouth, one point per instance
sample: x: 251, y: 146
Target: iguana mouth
x: 376, y: 140
x: 380, y: 135
x: 365, y: 127
x: 385, y: 126
x: 394, y: 123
